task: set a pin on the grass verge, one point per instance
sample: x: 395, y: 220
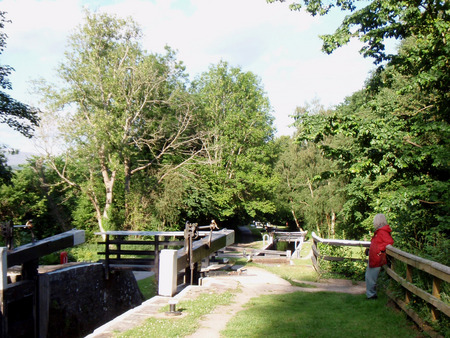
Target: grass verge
x: 321, y: 314
x: 185, y: 325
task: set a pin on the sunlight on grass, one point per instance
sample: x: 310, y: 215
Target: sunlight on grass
x: 322, y: 314
x: 148, y: 287
x: 292, y: 272
x: 295, y: 270
x: 185, y: 325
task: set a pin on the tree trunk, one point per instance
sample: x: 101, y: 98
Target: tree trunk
x: 333, y: 223
x: 127, y: 172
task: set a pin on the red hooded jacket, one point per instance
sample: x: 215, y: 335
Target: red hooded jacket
x: 378, y: 243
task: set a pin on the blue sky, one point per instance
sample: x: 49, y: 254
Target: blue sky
x: 281, y: 47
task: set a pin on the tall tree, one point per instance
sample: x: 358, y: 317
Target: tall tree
x: 237, y: 134
x: 128, y: 113
x: 15, y: 114
x: 398, y: 158
x: 309, y: 180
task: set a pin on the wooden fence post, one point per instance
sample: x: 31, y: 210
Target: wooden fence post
x: 107, y: 256
x: 436, y: 292
x: 156, y: 260
x: 3, y: 284
x: 3, y: 268
x: 409, y: 279
x: 43, y: 304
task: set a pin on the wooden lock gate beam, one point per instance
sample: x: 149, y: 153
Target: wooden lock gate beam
x: 173, y: 261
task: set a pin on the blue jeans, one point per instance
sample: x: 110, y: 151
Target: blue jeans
x: 371, y: 281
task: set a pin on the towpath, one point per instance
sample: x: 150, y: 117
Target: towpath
x: 251, y: 281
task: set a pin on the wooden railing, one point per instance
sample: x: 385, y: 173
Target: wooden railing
x: 189, y: 258
x: 333, y: 242
x: 143, y: 255
x: 440, y: 274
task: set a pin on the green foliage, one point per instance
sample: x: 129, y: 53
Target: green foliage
x: 310, y: 184
x: 375, y: 21
x: 5, y: 170
x: 237, y: 131
x: 129, y: 119
x: 354, y: 270
x: 15, y: 114
x: 148, y: 287
x: 86, y: 252
x: 423, y: 281
x: 396, y: 157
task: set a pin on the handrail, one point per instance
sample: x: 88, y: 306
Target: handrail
x: 433, y: 268
x: 334, y: 242
x: 439, y: 272
x: 114, y: 258
x: 340, y: 242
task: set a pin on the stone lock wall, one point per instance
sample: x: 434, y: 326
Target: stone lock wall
x: 82, y: 299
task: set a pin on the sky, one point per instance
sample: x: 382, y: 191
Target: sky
x: 281, y: 47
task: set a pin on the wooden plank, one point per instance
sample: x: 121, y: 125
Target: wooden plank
x: 341, y: 242
x: 3, y: 268
x: 269, y: 252
x: 149, y: 233
x: 19, y: 290
x: 32, y: 251
x: 43, y: 304
x: 3, y: 315
x: 340, y: 259
x: 316, y: 251
x: 315, y: 264
x: 130, y: 252
x: 137, y: 261
x: 413, y: 315
x: 219, y: 240
x: 142, y: 242
x: 135, y: 267
x: 437, y: 303
x: 436, y: 269
x: 436, y: 292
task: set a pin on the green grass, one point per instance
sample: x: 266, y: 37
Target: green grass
x: 181, y: 326
x: 292, y: 272
x: 300, y: 270
x: 148, y: 287
x: 322, y: 314
x: 299, y: 314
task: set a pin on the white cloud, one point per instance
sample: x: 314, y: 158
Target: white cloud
x: 280, y: 46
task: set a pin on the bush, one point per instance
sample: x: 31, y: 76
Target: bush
x: 347, y: 268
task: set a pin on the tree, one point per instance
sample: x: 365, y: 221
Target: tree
x: 237, y: 136
x: 15, y: 114
x: 310, y: 182
x: 129, y: 113
x: 397, y: 161
x: 378, y: 20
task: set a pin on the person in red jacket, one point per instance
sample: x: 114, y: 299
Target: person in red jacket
x: 377, y: 253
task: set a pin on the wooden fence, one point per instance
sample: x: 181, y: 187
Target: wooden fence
x: 333, y: 242
x: 439, y: 273
x: 140, y: 251
x: 137, y: 250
